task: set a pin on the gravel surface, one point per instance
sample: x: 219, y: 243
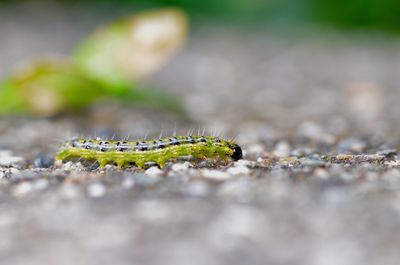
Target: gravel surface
x: 316, y: 115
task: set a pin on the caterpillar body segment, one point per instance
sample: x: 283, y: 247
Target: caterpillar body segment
x: 126, y: 153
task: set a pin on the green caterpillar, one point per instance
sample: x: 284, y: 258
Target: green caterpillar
x: 126, y: 153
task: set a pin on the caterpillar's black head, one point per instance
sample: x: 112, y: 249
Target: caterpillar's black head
x: 237, y: 153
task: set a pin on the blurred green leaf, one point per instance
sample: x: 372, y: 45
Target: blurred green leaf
x: 106, y: 64
x: 52, y: 86
x: 347, y: 14
x: 46, y: 87
x: 132, y: 48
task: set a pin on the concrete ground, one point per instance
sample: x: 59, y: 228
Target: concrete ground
x: 316, y: 113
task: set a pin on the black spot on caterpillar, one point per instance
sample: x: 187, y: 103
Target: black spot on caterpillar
x: 125, y: 153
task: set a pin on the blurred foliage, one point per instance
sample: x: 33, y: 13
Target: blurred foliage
x: 369, y: 14
x: 46, y: 87
x: 50, y: 86
x: 111, y: 61
x: 107, y: 64
x: 132, y: 48
x: 376, y: 14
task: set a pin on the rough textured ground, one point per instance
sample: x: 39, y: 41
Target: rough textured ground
x: 317, y: 117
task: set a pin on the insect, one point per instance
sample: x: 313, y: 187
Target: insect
x: 126, y: 153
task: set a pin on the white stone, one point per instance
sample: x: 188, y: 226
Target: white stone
x: 282, y: 149
x: 5, y: 153
x: 109, y: 167
x: 58, y: 163
x: 10, y: 160
x: 128, y: 182
x: 321, y: 173
x: 13, y: 170
x: 22, y: 189
x: 181, y: 166
x: 154, y: 171
x: 96, y: 190
x: 239, y: 170
x: 215, y: 174
x: 394, y: 163
x: 69, y: 165
x: 255, y: 149
x: 244, y: 162
x: 40, y: 184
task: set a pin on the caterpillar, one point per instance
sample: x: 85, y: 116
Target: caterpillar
x: 126, y: 153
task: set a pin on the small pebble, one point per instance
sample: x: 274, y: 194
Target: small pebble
x: 128, y: 182
x: 13, y: 170
x: 321, y: 173
x: 181, y: 166
x: 5, y: 153
x: 389, y: 154
x: 11, y: 161
x: 154, y: 171
x: 315, y: 132
x: 58, y: 163
x: 22, y: 189
x: 282, y: 149
x: 143, y: 180
x: 96, y: 190
x: 40, y: 184
x: 239, y: 170
x: 215, y: 174
x: 353, y: 145
x: 313, y: 163
x: 301, y: 152
x: 69, y: 166
x: 246, y: 163
x: 255, y: 149
x: 392, y: 163
x: 43, y: 161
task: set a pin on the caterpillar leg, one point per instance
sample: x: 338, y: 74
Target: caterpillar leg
x: 161, y: 163
x: 224, y: 158
x: 102, y: 163
x: 199, y: 156
x: 226, y: 161
x: 140, y: 164
x: 120, y: 163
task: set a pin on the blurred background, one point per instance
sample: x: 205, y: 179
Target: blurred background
x: 283, y: 62
x: 244, y: 60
